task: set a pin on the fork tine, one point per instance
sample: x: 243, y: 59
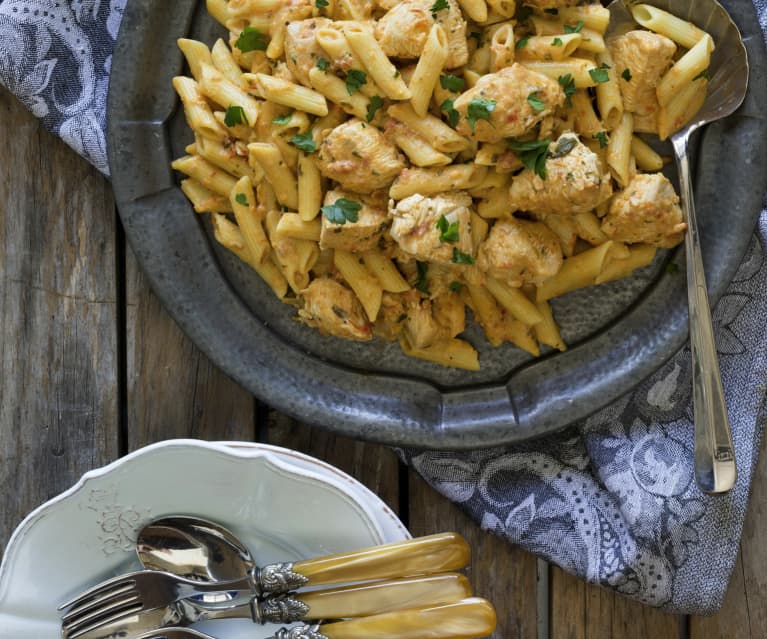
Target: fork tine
x: 103, y: 587
x: 84, y: 626
x: 86, y: 604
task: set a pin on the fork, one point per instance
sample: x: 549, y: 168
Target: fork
x: 132, y: 594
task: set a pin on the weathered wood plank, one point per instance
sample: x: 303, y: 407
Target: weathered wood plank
x: 581, y: 611
x: 503, y: 574
x: 58, y: 344
x: 173, y: 389
x: 374, y: 465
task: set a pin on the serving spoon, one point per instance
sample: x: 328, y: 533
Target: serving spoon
x: 715, y: 468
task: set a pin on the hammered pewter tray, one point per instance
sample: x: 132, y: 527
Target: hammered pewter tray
x: 618, y: 333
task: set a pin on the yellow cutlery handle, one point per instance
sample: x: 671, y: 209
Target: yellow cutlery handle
x: 377, y: 597
x: 419, y: 556
x: 467, y: 619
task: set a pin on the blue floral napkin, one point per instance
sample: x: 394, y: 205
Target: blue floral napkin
x: 613, y: 500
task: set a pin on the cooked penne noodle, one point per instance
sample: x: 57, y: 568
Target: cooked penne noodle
x: 196, y: 54
x: 619, y: 149
x: 674, y: 115
x: 495, y: 204
x: 207, y: 174
x: 689, y: 66
x: 547, y: 331
x: 514, y: 301
x: 269, y: 158
x: 380, y: 68
x: 456, y: 353
x: 218, y: 9
x: 287, y: 93
x: 586, y: 121
x: 215, y: 86
x: 291, y: 225
x: 431, y: 181
x: 471, y: 77
x: 591, y: 42
x: 335, y: 44
x: 349, y: 10
x: 246, y: 8
x: 439, y: 134
x: 226, y: 159
x: 609, y: 100
x: 295, y: 258
x: 589, y: 228
x: 334, y: 89
x: 364, y: 284
x: 243, y: 204
x: 203, y: 199
x: 578, y: 68
x: 222, y: 59
x: 680, y: 31
x: 646, y: 158
x: 502, y: 48
x: 578, y: 271
x: 417, y: 149
x: 489, y: 152
x: 503, y: 8
x: 566, y: 231
x: 479, y: 63
x: 475, y: 9
x: 479, y: 229
x: 550, y: 47
x: 639, y: 255
x: 428, y: 69
x: 383, y: 268
x: 196, y: 109
x: 594, y: 16
x: 309, y: 188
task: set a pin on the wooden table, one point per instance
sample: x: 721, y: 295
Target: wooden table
x: 92, y: 367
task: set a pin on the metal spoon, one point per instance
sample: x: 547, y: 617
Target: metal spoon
x: 715, y: 470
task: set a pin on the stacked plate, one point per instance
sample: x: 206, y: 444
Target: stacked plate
x: 282, y: 504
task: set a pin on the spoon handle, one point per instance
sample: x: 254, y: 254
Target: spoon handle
x: 466, y: 619
x: 715, y: 469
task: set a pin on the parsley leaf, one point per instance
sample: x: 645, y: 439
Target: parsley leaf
x: 251, y: 40
x: 421, y: 284
x: 342, y: 210
x: 575, y: 29
x: 564, y: 146
x: 304, y: 141
x: 703, y: 75
x: 323, y: 64
x: 626, y: 75
x: 522, y: 43
x: 438, y: 5
x: 376, y: 102
x: 599, y: 75
x: 535, y: 101
x: 355, y: 79
x: 455, y: 286
x: 567, y: 82
x: 448, y: 231
x: 557, y: 42
x: 321, y: 4
x: 282, y: 120
x: 533, y: 154
x: 479, y: 109
x: 462, y: 258
x: 235, y: 115
x: 452, y: 114
x: 451, y: 83
x: 241, y: 198
x: 603, y: 139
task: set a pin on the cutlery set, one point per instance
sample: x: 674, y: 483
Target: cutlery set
x: 196, y: 570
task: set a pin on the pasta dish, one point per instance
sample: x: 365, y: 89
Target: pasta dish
x: 384, y: 164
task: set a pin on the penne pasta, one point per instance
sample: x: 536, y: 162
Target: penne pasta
x: 291, y: 225
x: 309, y: 188
x: 287, y: 93
x: 243, y: 204
x: 577, y: 68
x: 385, y: 271
x: 619, y: 149
x: 550, y: 47
x: 430, y: 181
x: 674, y: 115
x: 439, y: 134
x: 547, y: 331
x: 380, y: 68
x: 639, y: 255
x: 428, y: 69
x: 203, y: 199
x: 514, y: 301
x: 578, y: 271
x: 334, y: 89
x: 502, y: 48
x: 207, y: 174
x: 609, y: 100
x: 268, y: 157
x: 456, y: 353
x: 593, y: 16
x: 690, y: 65
x: 646, y: 158
x: 196, y: 109
x: 222, y: 59
x: 214, y: 85
x: 364, y: 284
x: 475, y: 9
x: 196, y: 54
x: 680, y: 31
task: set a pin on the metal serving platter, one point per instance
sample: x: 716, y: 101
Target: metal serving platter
x: 618, y: 333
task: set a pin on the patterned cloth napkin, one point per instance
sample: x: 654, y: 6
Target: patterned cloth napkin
x: 613, y: 500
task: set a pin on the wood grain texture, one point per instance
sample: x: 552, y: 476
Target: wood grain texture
x: 173, y: 390
x: 582, y: 611
x: 58, y: 344
x: 503, y: 574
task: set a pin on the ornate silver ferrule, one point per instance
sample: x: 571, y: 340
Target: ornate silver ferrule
x: 279, y: 608
x: 275, y: 578
x: 300, y: 632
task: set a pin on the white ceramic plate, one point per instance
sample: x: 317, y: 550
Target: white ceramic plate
x: 282, y: 504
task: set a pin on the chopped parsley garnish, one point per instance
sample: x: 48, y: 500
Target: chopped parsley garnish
x: 599, y: 75
x: 604, y: 65
x: 376, y: 102
x: 703, y: 75
x: 576, y: 29
x: 342, y: 210
x: 451, y: 83
x: 321, y: 4
x: 626, y: 75
x: 535, y: 101
x: 452, y: 114
x: 304, y: 141
x: 603, y: 139
x: 251, y: 40
x: 462, y: 258
x: 448, y: 231
x: 355, y: 79
x: 455, y: 286
x: 564, y: 146
x: 235, y: 115
x: 533, y: 154
x: 438, y: 5
x: 323, y: 64
x: 557, y: 42
x: 522, y: 42
x: 479, y: 109
x: 241, y: 198
x: 282, y: 120
x: 421, y: 284
x: 567, y: 82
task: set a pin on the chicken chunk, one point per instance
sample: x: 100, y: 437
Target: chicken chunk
x: 647, y: 210
x: 333, y: 309
x: 644, y: 57
x: 403, y: 30
x: 520, y: 252
x: 433, y: 320
x: 359, y: 157
x: 575, y: 181
x: 362, y: 235
x: 288, y: 11
x: 419, y: 222
x: 301, y: 48
x: 506, y: 93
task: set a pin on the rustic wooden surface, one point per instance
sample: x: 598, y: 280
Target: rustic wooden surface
x: 91, y: 367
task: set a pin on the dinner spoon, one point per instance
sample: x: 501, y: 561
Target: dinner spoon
x: 715, y: 470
